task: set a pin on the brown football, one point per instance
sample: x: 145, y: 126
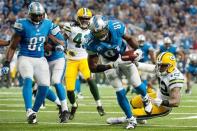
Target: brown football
x: 128, y: 56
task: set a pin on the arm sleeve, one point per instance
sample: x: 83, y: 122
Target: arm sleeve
x: 18, y: 27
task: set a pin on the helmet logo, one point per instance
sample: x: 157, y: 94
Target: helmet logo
x: 172, y: 58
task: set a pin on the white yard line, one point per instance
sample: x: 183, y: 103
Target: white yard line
x: 99, y: 124
x: 93, y: 112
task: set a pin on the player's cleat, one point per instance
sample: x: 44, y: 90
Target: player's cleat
x: 31, y: 117
x: 142, y: 122
x: 132, y: 123
x: 64, y: 117
x: 116, y: 120
x: 188, y: 91
x: 100, y: 110
x: 147, y: 105
x: 73, y: 111
x: 80, y: 96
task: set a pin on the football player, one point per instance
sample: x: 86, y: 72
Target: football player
x: 77, y: 59
x: 106, y: 40
x: 171, y: 80
x: 30, y: 36
x: 191, y: 71
x: 54, y: 54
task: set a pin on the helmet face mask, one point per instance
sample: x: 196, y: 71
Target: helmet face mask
x: 101, y: 34
x: 84, y: 22
x: 36, y: 12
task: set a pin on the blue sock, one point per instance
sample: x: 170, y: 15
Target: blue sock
x: 141, y: 89
x: 78, y: 86
x: 40, y: 97
x: 145, y: 82
x: 61, y: 93
x: 27, y: 93
x: 124, y: 103
x: 51, y: 95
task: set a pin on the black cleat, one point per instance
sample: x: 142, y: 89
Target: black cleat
x: 59, y: 109
x: 32, y: 119
x: 100, y: 110
x: 73, y: 111
x: 64, y: 117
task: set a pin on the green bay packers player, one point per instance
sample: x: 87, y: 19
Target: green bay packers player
x: 171, y: 80
x: 77, y: 58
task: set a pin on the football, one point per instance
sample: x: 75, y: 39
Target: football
x: 128, y: 55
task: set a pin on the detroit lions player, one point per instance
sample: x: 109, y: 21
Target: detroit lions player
x: 56, y: 60
x: 30, y: 35
x: 191, y: 71
x: 106, y: 40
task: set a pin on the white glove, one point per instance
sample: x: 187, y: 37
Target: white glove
x: 138, y: 52
x: 59, y: 48
x: 157, y: 101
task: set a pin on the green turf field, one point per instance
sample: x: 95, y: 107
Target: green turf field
x: 12, y: 114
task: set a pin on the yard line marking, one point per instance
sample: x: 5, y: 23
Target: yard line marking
x: 80, y: 104
x: 189, y: 117
x: 98, y: 124
x: 94, y: 112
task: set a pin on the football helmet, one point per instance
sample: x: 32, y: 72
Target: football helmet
x: 167, y: 42
x: 83, y: 17
x: 99, y: 27
x: 141, y: 39
x: 166, y: 63
x: 36, y: 12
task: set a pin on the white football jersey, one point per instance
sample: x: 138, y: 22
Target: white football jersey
x: 75, y: 41
x: 168, y: 82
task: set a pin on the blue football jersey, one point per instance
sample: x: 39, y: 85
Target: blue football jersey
x: 54, y: 55
x: 33, y: 36
x: 172, y: 49
x: 112, y: 48
x: 145, y: 50
x: 192, y: 69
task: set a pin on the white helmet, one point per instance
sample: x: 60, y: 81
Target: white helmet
x: 167, y: 40
x: 98, y: 27
x: 36, y: 12
x: 141, y: 39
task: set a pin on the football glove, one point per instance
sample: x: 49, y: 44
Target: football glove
x: 6, y: 67
x: 156, y: 101
x: 59, y: 48
x: 138, y: 54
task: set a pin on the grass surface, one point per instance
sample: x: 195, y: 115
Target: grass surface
x: 12, y: 114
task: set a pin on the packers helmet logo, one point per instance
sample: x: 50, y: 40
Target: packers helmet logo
x: 172, y: 58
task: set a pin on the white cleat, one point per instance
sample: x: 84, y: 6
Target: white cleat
x: 132, y: 123
x: 31, y: 116
x: 147, y: 105
x: 116, y: 120
x: 142, y: 122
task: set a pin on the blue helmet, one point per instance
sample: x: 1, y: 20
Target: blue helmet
x: 36, y: 12
x: 99, y: 27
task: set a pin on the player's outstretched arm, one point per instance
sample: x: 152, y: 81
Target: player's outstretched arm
x: 15, y: 40
x: 94, y: 66
x: 131, y: 41
x: 175, y: 97
x: 4, y: 42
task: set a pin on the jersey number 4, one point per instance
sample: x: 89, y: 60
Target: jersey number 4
x: 33, y: 43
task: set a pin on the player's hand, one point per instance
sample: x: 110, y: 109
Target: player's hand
x: 156, y: 101
x: 138, y: 53
x: 59, y: 48
x: 6, y: 67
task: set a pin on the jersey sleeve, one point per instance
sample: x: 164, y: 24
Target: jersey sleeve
x: 67, y: 29
x: 18, y: 27
x: 55, y: 29
x: 122, y: 29
x: 176, y: 80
